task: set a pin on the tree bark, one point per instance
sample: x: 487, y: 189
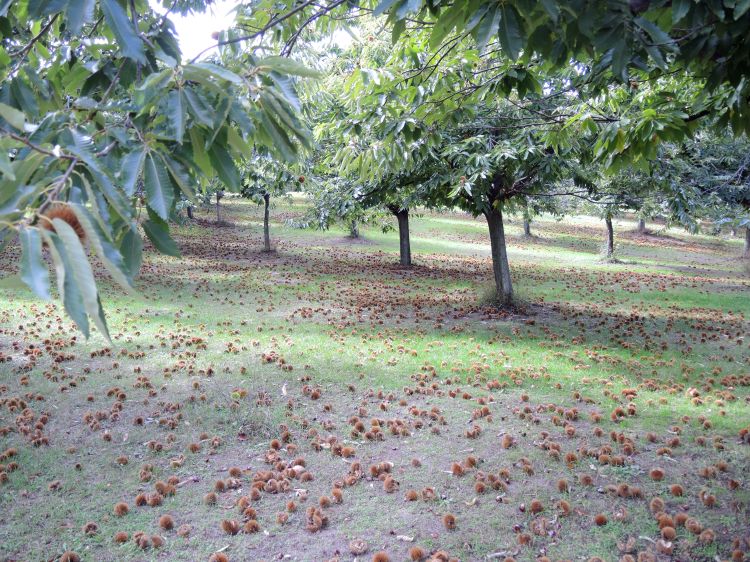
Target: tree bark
x: 641, y: 226
x: 354, y: 229
x: 404, y: 243
x: 610, y: 236
x: 218, y: 207
x: 527, y: 228
x: 189, y: 209
x: 500, y: 267
x: 266, y: 228
x: 747, y: 241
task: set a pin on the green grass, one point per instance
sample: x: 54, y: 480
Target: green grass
x: 670, y: 317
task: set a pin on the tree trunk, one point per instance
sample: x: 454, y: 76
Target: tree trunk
x: 641, y: 226
x: 189, y: 209
x: 527, y: 228
x: 500, y: 267
x: 354, y: 229
x: 404, y: 243
x: 218, y: 207
x: 610, y: 236
x: 266, y: 229
x: 747, y: 241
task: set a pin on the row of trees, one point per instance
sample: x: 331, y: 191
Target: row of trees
x: 492, y: 107
x: 403, y: 130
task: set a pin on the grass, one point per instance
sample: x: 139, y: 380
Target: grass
x: 228, y: 348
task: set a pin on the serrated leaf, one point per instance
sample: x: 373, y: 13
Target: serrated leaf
x: 659, y: 37
x: 122, y: 28
x: 216, y: 71
x: 158, y: 232
x: 66, y: 283
x: 279, y: 139
x: 33, y: 269
x: 4, y: 5
x: 103, y: 247
x: 510, y: 32
x: 17, y: 200
x: 286, y: 65
x: 15, y: 117
x: 83, y: 276
x: 445, y: 24
x: 741, y: 8
x: 222, y: 163
x: 40, y: 8
x: 131, y: 249
x: 407, y: 7
x: 159, y: 190
x: 620, y: 60
x: 130, y: 170
x: 199, y: 151
x: 284, y: 89
x: 5, y: 166
x: 198, y: 107
x: 680, y: 8
x: 176, y: 113
x: 552, y: 9
x: 398, y: 28
x: 78, y: 13
x: 385, y: 5
x: 487, y: 27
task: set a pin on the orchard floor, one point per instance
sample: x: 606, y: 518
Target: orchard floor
x: 617, y: 393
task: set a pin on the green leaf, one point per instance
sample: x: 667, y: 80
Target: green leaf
x: 199, y: 151
x: 103, y: 247
x: 13, y: 116
x: 158, y: 232
x: 66, y: 283
x: 82, y: 273
x: 131, y: 249
x: 180, y: 175
x: 552, y: 9
x: 40, y: 8
x: 78, y: 13
x: 122, y: 28
x: 82, y: 147
x: 278, y: 137
x: 286, y: 65
x: 4, y: 5
x: 407, y: 7
x: 222, y: 162
x: 680, y: 8
x: 510, y: 32
x: 215, y: 71
x: 199, y: 107
x: 159, y: 190
x: 176, y: 108
x: 660, y: 38
x: 620, y: 59
x: 385, y: 5
x: 5, y: 166
x: 740, y: 8
x: 130, y: 170
x: 17, y: 200
x: 398, y: 28
x: 448, y: 20
x: 273, y: 105
x: 487, y: 27
x: 33, y: 269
